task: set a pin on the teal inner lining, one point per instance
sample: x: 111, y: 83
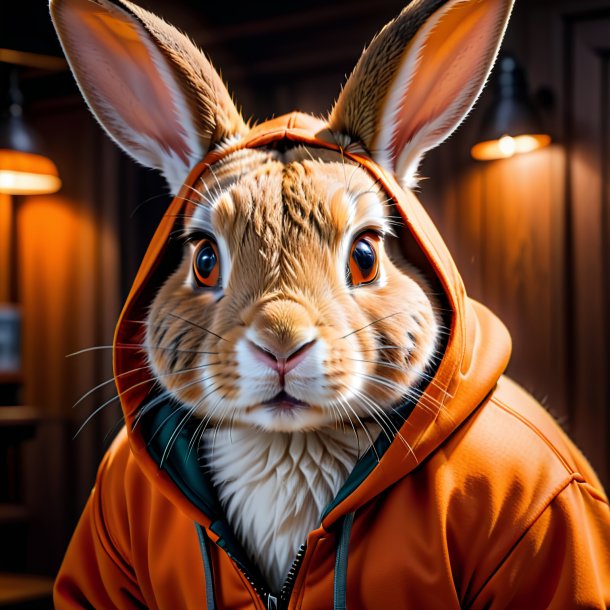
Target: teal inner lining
x: 183, y: 466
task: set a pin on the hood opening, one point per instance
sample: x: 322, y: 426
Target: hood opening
x: 178, y: 473
x: 157, y: 423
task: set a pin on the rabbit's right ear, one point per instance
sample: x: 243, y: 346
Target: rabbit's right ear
x: 419, y: 78
x: 148, y: 85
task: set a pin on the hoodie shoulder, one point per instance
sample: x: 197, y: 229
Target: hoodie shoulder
x: 546, y: 440
x: 497, y: 478
x: 514, y: 446
x: 535, y: 494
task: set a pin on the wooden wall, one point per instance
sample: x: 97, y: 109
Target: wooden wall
x: 531, y: 234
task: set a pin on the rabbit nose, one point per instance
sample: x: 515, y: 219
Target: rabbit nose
x: 281, y: 362
x: 280, y: 334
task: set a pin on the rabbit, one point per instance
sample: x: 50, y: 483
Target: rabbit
x: 305, y: 324
x: 292, y: 376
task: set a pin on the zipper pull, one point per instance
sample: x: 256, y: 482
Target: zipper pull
x: 271, y: 602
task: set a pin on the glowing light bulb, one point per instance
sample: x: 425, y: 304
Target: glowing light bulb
x: 507, y: 146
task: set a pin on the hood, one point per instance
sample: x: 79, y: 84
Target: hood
x: 475, y: 354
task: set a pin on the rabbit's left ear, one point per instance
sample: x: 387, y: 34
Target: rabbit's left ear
x: 150, y: 88
x: 419, y: 78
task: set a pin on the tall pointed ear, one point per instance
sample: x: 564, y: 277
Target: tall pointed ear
x: 147, y: 84
x: 419, y: 78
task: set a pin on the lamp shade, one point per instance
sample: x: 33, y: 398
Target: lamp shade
x: 512, y: 124
x: 24, y: 169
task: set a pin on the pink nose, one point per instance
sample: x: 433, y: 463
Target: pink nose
x: 281, y: 362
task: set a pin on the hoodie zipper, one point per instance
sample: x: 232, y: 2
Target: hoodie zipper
x: 291, y: 577
x: 273, y: 602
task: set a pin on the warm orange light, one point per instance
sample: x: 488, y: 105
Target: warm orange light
x: 507, y: 146
x: 24, y: 173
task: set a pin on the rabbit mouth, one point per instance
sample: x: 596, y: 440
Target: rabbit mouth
x: 283, y: 401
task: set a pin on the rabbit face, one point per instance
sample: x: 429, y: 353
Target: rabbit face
x: 311, y: 317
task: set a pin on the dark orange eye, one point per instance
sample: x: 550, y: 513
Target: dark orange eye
x: 364, y: 258
x: 206, y: 263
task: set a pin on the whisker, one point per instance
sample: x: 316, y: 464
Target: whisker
x: 153, y: 403
x: 202, y: 426
x: 148, y: 200
x: 389, y: 365
x: 207, y: 198
x: 174, y: 435
x: 376, y: 414
x: 136, y: 346
x: 182, y: 423
x: 387, y: 202
x: 156, y: 401
x: 210, y: 198
x: 211, y: 170
x: 216, y: 429
x: 89, y: 349
x: 161, y: 324
x: 114, y: 430
x: 382, y: 381
x: 104, y: 383
x: 102, y: 407
x: 332, y: 404
x: 375, y: 410
x: 151, y: 381
x: 231, y: 422
x: 353, y: 332
x: 343, y: 169
x: 386, y: 347
x: 346, y: 404
x: 306, y: 149
x: 119, y: 395
x: 194, y: 324
x: 427, y: 402
x: 159, y: 399
x: 142, y: 368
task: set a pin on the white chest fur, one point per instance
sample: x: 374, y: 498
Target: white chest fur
x: 275, y: 485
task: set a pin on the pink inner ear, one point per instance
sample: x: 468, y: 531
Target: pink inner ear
x: 124, y: 74
x: 453, y: 60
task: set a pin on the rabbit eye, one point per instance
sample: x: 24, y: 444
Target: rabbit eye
x: 206, y: 263
x: 364, y: 259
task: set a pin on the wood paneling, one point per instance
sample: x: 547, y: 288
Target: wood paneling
x: 588, y: 114
x: 6, y: 240
x: 69, y: 293
x: 531, y: 234
x: 499, y: 220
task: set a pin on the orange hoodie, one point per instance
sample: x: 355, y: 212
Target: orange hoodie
x: 494, y: 508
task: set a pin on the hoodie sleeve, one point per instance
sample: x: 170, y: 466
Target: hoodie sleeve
x: 561, y: 562
x: 95, y: 573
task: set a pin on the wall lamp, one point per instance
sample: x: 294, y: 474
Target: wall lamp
x: 511, y: 125
x: 24, y: 168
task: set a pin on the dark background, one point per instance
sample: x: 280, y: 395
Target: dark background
x: 529, y: 234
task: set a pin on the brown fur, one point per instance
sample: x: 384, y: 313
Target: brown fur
x: 205, y: 91
x: 284, y: 223
x: 359, y: 106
